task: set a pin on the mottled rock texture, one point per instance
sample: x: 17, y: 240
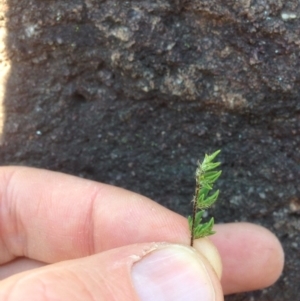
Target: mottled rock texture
x: 133, y: 93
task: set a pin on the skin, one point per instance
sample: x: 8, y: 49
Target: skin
x: 57, y: 228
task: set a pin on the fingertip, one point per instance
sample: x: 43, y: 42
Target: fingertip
x: 252, y: 256
x: 210, y: 252
x: 176, y: 272
x: 273, y: 259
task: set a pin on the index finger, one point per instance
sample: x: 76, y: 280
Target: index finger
x: 50, y: 217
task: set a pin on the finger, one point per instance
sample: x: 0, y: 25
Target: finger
x: 206, y: 248
x: 138, y: 272
x: 211, y: 253
x: 244, y: 267
x: 252, y: 257
x: 17, y: 266
x: 50, y: 217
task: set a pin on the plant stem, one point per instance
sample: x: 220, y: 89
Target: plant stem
x: 194, y: 212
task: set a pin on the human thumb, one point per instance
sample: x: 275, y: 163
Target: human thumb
x: 142, y: 272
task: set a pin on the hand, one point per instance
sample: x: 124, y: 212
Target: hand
x: 77, y: 239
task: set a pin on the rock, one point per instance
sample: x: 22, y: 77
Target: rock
x: 89, y: 86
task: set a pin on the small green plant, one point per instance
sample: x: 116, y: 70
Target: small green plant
x: 206, y: 176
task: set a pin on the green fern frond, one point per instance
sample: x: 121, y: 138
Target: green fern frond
x: 206, y: 176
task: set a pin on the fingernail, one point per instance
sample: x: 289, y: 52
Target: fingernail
x: 170, y: 274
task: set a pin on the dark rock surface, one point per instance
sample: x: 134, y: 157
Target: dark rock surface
x: 133, y: 93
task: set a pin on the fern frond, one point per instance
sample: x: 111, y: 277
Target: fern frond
x: 206, y: 176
